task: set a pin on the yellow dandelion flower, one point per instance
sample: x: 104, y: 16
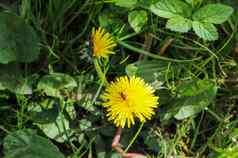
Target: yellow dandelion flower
x: 102, y: 43
x: 128, y: 98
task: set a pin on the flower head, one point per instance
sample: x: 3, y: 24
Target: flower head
x: 128, y: 98
x: 102, y: 42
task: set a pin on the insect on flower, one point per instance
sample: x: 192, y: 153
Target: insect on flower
x: 127, y: 99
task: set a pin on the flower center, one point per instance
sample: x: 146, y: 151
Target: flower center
x: 98, y: 46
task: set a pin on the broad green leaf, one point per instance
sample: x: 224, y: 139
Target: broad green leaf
x: 171, y: 8
x: 146, y: 3
x: 155, y: 70
x: 193, y: 88
x: 103, y: 20
x: 193, y: 104
x: 213, y: 13
x: 58, y: 130
x: 107, y: 18
x: 12, y: 79
x: 188, y: 103
x: 234, y: 133
x: 23, y: 87
x: 84, y: 124
x: 207, y: 31
x: 46, y: 116
x: 87, y: 102
x: 165, y: 96
x: 179, y: 24
x: 18, y: 41
x: 44, y: 112
x: 55, y: 84
x: 131, y: 70
x: 85, y: 95
x: 27, y: 144
x: 231, y: 151
x: 187, y: 111
x: 194, y: 2
x: 71, y: 111
x: 126, y: 3
x: 137, y: 19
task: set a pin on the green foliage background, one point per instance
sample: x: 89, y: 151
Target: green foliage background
x: 49, y: 89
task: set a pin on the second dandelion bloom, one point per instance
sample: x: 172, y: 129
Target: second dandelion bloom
x: 127, y: 99
x: 102, y: 43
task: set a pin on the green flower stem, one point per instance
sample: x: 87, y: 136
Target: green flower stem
x: 61, y: 115
x: 196, y: 132
x: 128, y: 36
x: 206, y: 48
x: 134, y: 138
x: 99, y: 71
x: 219, y: 119
x: 141, y: 51
x: 4, y: 129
